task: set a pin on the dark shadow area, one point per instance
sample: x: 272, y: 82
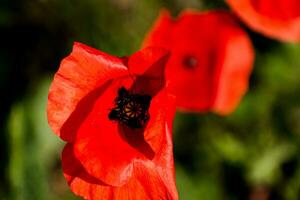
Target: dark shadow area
x: 135, y: 138
x: 235, y: 184
x: 84, y: 107
x: 72, y: 167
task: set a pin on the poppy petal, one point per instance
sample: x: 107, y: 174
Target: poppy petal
x: 149, y: 66
x: 145, y: 183
x: 274, y: 18
x: 164, y: 159
x: 101, y: 146
x: 159, y: 34
x: 145, y: 62
x: 233, y: 79
x: 199, y: 58
x: 234, y: 68
x: 79, y: 73
x: 80, y: 182
x: 192, y: 84
x: 106, y: 149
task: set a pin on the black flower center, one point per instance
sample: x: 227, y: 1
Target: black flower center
x: 131, y: 109
x: 190, y: 62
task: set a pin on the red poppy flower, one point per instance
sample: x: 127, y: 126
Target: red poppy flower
x: 211, y: 59
x: 279, y: 19
x: 116, y: 116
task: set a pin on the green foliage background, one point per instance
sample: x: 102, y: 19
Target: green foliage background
x: 250, y: 154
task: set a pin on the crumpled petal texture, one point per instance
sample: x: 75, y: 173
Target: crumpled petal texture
x: 79, y: 73
x: 278, y: 19
x: 151, y: 180
x: 145, y: 183
x: 211, y: 59
x: 105, y: 159
x: 98, y: 138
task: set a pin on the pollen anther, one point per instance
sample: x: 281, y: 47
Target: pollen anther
x: 131, y: 109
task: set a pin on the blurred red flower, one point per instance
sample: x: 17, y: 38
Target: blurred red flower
x: 116, y: 116
x: 211, y: 59
x: 279, y: 19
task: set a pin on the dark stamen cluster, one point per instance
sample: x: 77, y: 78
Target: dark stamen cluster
x: 190, y: 62
x: 131, y: 109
